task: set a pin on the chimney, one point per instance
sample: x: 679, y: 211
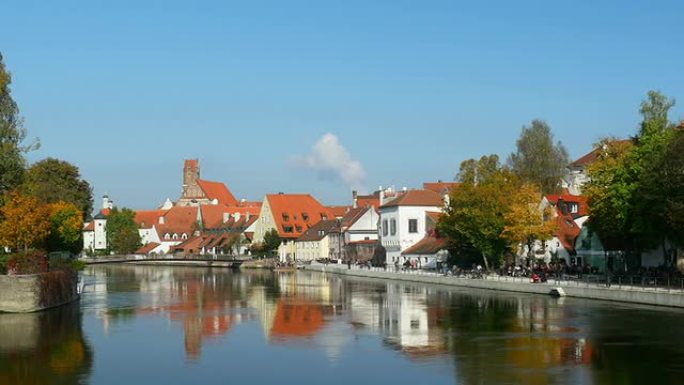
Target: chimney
x: 354, y: 201
x: 382, y: 195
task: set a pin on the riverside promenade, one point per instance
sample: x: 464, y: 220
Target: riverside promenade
x: 646, y: 295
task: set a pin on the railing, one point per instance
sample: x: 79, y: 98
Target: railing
x: 643, y: 283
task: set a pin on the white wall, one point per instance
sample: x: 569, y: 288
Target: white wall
x: 364, y: 227
x: 402, y: 239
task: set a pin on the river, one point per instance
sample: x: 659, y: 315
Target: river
x: 178, y: 325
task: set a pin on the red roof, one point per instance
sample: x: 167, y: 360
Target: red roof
x: 567, y: 232
x: 593, y: 155
x: 147, y: 218
x: 354, y: 215
x: 90, y: 226
x: 581, y: 201
x: 440, y: 187
x: 416, y: 198
x: 212, y: 215
x: 295, y: 213
x: 179, y: 220
x: 146, y: 249
x: 218, y: 191
x: 431, y: 244
x: 339, y: 211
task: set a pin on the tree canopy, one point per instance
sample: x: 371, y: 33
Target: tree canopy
x: 53, y: 180
x: 526, y: 222
x: 25, y: 222
x: 12, y: 136
x: 538, y: 160
x: 122, y: 231
x: 475, y: 216
x: 66, y: 223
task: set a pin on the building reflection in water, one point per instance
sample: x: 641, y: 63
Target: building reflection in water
x: 44, y: 347
x: 485, y: 337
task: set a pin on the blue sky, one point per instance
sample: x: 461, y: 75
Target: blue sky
x: 126, y: 90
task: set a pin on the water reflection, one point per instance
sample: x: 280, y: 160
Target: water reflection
x: 421, y: 334
x: 35, y: 347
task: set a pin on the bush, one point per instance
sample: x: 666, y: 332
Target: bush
x: 27, y: 263
x: 4, y: 258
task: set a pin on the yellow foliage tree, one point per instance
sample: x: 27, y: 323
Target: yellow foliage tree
x: 25, y: 222
x: 66, y: 221
x: 525, y: 221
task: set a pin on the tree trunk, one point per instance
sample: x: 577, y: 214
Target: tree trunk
x: 486, y: 262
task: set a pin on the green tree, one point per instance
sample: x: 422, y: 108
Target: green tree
x: 537, y: 159
x: 66, y: 222
x: 271, y: 240
x: 475, y: 216
x: 122, y: 231
x: 12, y: 136
x: 53, y: 180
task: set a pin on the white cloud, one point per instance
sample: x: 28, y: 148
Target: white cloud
x: 331, y: 159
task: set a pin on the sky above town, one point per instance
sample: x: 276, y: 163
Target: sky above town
x: 325, y: 96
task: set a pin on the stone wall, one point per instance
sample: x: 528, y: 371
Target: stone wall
x: 28, y: 293
x: 636, y: 295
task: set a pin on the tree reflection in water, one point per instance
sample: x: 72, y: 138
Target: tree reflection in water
x: 47, y: 347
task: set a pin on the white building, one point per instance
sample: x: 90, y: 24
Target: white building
x: 95, y: 231
x: 403, y: 221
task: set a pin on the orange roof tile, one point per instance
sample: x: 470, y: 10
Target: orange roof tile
x: 416, y: 198
x: 147, y: 218
x: 295, y: 213
x: 339, y: 211
x: 212, y: 215
x: 218, y: 191
x: 146, y: 249
x: 354, y: 215
x: 179, y: 220
x: 440, y: 187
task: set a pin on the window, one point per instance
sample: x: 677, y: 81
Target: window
x: 305, y: 217
x: 286, y: 217
x: 184, y: 236
x: 574, y: 208
x: 299, y: 228
x: 384, y: 227
x: 324, y: 217
x: 175, y: 236
x: 393, y: 226
x: 287, y: 229
x: 167, y: 236
x: 413, y: 225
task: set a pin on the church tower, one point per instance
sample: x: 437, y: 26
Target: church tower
x: 191, y: 173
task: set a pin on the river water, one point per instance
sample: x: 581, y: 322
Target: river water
x: 176, y: 325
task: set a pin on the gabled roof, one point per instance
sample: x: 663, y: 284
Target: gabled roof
x: 562, y: 209
x: 339, y: 211
x: 320, y: 230
x: 431, y: 244
x: 218, y: 191
x: 354, y: 215
x: 593, y: 155
x: 440, y: 187
x: 416, y: 198
x: 148, y: 218
x: 146, y: 249
x: 178, y: 220
x: 296, y: 213
x: 90, y: 226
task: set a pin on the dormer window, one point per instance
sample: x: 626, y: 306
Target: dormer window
x: 321, y: 233
x: 286, y: 217
x: 324, y: 217
x: 573, y: 207
x: 287, y: 229
x: 167, y: 236
x: 175, y: 236
x: 298, y: 228
x: 184, y: 236
x: 305, y: 217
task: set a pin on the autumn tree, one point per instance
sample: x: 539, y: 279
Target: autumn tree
x: 538, y: 160
x: 12, y: 136
x: 122, y: 231
x: 25, y: 222
x: 66, y: 226
x: 475, y: 216
x: 53, y: 180
x: 526, y: 221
